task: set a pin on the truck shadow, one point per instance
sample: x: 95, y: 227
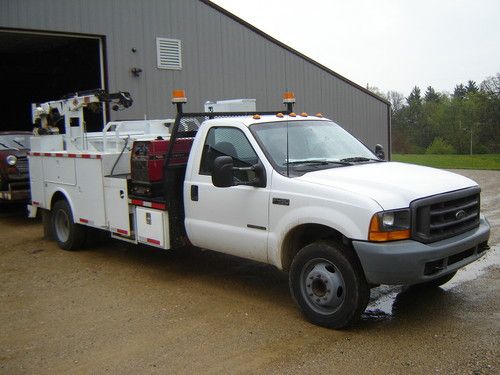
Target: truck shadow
x: 408, y: 305
x: 212, y: 270
x: 205, y: 267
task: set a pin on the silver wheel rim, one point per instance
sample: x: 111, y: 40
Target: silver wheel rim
x: 62, y: 225
x: 322, y: 286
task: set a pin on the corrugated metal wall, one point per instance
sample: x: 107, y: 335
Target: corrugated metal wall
x: 222, y: 59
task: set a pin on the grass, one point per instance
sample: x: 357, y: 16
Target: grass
x: 484, y: 161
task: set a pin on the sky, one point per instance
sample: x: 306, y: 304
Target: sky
x: 389, y: 44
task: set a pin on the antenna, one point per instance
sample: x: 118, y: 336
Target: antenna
x: 288, y: 100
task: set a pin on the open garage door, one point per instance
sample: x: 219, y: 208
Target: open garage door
x: 37, y: 68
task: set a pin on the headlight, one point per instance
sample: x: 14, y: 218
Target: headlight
x: 390, y: 226
x: 11, y: 160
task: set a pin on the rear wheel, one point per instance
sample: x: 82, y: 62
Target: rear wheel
x: 328, y: 284
x: 69, y: 236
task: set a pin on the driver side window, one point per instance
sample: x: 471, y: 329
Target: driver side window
x: 223, y: 141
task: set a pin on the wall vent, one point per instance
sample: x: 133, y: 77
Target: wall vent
x: 169, y: 53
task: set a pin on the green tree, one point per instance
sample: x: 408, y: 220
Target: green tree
x: 440, y: 146
x: 460, y: 91
x: 471, y: 87
x: 450, y: 123
x: 431, y: 95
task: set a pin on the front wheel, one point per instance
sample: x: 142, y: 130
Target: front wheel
x: 328, y: 284
x: 69, y: 236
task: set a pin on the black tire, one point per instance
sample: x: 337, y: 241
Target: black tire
x: 437, y: 282
x: 69, y: 236
x: 328, y: 284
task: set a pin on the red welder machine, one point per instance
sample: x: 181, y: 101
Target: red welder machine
x: 147, y: 164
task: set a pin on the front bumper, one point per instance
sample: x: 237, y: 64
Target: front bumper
x: 412, y: 262
x: 16, y: 191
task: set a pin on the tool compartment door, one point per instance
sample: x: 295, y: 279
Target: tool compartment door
x: 152, y: 227
x: 37, y: 187
x: 117, y: 207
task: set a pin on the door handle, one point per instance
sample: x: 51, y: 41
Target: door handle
x: 194, y: 193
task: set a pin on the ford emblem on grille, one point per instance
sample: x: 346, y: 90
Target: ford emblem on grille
x: 460, y: 214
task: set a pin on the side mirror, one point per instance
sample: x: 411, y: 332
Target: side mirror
x: 379, y: 151
x: 260, y: 175
x: 222, y: 174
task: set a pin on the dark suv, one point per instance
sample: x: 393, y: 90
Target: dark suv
x: 14, y: 176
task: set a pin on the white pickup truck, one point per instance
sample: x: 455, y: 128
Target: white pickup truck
x: 294, y: 191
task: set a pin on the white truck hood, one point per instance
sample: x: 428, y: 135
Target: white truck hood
x: 391, y: 185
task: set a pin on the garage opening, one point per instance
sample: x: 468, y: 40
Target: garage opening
x: 36, y: 68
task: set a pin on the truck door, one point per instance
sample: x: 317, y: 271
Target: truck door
x: 232, y: 220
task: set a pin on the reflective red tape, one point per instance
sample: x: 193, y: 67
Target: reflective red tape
x: 61, y: 155
x: 158, y: 206
x: 154, y: 242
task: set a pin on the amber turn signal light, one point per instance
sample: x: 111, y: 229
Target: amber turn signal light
x: 377, y: 235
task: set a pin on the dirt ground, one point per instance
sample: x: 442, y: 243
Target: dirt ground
x: 121, y: 309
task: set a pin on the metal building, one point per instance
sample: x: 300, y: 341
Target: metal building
x: 49, y: 48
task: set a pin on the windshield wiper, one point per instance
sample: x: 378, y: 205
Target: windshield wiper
x: 357, y: 159
x: 318, y: 162
x: 3, y: 145
x: 19, y: 143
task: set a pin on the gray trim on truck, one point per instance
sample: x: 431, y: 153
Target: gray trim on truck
x: 412, y: 262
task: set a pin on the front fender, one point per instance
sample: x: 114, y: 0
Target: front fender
x: 352, y: 226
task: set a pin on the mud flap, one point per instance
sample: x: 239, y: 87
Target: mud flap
x: 32, y: 211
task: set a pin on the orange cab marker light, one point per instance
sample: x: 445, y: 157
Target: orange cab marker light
x: 303, y: 114
x: 256, y: 117
x: 319, y: 115
x: 292, y: 114
x: 288, y: 97
x: 279, y: 114
x: 179, y: 96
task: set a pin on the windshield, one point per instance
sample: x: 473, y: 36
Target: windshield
x: 14, y: 141
x: 312, y: 145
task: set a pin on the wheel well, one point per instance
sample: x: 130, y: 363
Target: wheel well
x: 57, y: 197
x: 303, y: 235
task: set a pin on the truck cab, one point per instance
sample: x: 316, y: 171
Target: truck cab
x: 292, y: 190
x: 301, y: 185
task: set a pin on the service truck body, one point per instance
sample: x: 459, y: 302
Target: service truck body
x: 339, y: 226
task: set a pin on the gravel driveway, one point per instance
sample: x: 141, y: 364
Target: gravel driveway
x: 121, y: 309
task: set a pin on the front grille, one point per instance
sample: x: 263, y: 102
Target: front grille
x: 445, y: 215
x: 22, y: 164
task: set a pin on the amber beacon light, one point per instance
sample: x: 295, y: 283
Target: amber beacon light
x: 179, y: 96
